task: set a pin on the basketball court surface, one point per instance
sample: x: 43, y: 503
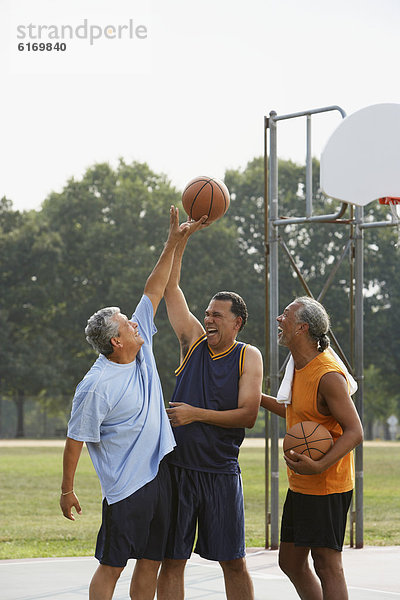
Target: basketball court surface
x: 372, y: 573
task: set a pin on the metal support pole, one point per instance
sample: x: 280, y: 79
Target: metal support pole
x: 352, y: 342
x: 359, y: 368
x: 266, y: 378
x: 308, y: 170
x: 273, y: 327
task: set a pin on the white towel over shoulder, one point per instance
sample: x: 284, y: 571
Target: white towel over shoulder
x: 284, y: 395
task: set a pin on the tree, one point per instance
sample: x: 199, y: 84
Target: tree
x: 28, y: 257
x: 378, y: 406
x: 315, y: 247
x: 111, y: 226
x: 95, y: 243
x: 382, y: 299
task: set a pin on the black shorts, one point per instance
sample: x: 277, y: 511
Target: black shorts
x: 315, y: 521
x: 137, y: 526
x: 213, y: 503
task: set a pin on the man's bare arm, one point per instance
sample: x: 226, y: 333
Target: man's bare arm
x: 333, y: 399
x: 270, y: 403
x: 244, y: 415
x: 68, y: 499
x: 187, y: 328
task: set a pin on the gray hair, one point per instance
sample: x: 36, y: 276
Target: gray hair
x: 317, y: 319
x: 101, y: 327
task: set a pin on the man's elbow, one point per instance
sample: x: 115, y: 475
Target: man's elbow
x: 251, y: 420
x: 153, y: 288
x: 172, y: 293
x: 359, y: 436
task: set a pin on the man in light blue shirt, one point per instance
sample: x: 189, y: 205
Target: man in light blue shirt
x: 118, y: 411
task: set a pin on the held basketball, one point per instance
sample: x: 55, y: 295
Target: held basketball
x: 309, y: 438
x: 205, y: 196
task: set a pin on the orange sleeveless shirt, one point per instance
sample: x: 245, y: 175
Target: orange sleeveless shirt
x: 340, y: 476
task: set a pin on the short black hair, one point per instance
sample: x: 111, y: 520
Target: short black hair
x: 238, y: 307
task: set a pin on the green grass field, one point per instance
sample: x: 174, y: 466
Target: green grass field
x: 32, y: 524
x: 381, y: 499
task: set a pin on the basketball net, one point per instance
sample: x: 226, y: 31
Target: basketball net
x: 394, y: 205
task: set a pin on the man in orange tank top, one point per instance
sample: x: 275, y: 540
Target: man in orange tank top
x: 319, y: 495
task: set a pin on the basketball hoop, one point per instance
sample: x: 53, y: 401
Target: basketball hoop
x: 394, y: 205
x: 389, y: 200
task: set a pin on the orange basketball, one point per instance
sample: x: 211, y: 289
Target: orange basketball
x: 205, y: 196
x: 309, y: 438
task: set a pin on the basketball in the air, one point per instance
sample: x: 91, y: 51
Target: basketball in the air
x: 205, y: 196
x: 308, y: 438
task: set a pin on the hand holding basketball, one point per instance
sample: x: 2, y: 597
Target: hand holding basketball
x: 205, y: 196
x: 310, y: 441
x: 181, y: 231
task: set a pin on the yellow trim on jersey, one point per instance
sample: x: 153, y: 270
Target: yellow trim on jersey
x: 241, y: 359
x: 217, y: 356
x: 189, y: 353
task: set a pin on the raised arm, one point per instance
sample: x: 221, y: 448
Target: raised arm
x: 244, y: 415
x: 187, y: 328
x: 158, y: 278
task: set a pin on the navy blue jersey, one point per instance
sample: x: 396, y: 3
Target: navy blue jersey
x: 211, y: 381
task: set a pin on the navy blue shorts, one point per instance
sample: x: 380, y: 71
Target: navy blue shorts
x: 315, y: 521
x: 137, y: 526
x: 213, y: 503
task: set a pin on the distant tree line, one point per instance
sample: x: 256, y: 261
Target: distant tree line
x: 94, y: 244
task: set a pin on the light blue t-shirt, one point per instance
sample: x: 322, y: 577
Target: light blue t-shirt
x: 118, y: 410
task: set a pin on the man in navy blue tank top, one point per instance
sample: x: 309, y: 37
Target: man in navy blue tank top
x: 217, y: 395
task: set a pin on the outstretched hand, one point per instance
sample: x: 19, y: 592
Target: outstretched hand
x: 184, y: 230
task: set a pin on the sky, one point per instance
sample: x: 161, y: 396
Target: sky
x: 181, y: 85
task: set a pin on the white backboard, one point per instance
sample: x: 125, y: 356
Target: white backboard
x: 361, y: 160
